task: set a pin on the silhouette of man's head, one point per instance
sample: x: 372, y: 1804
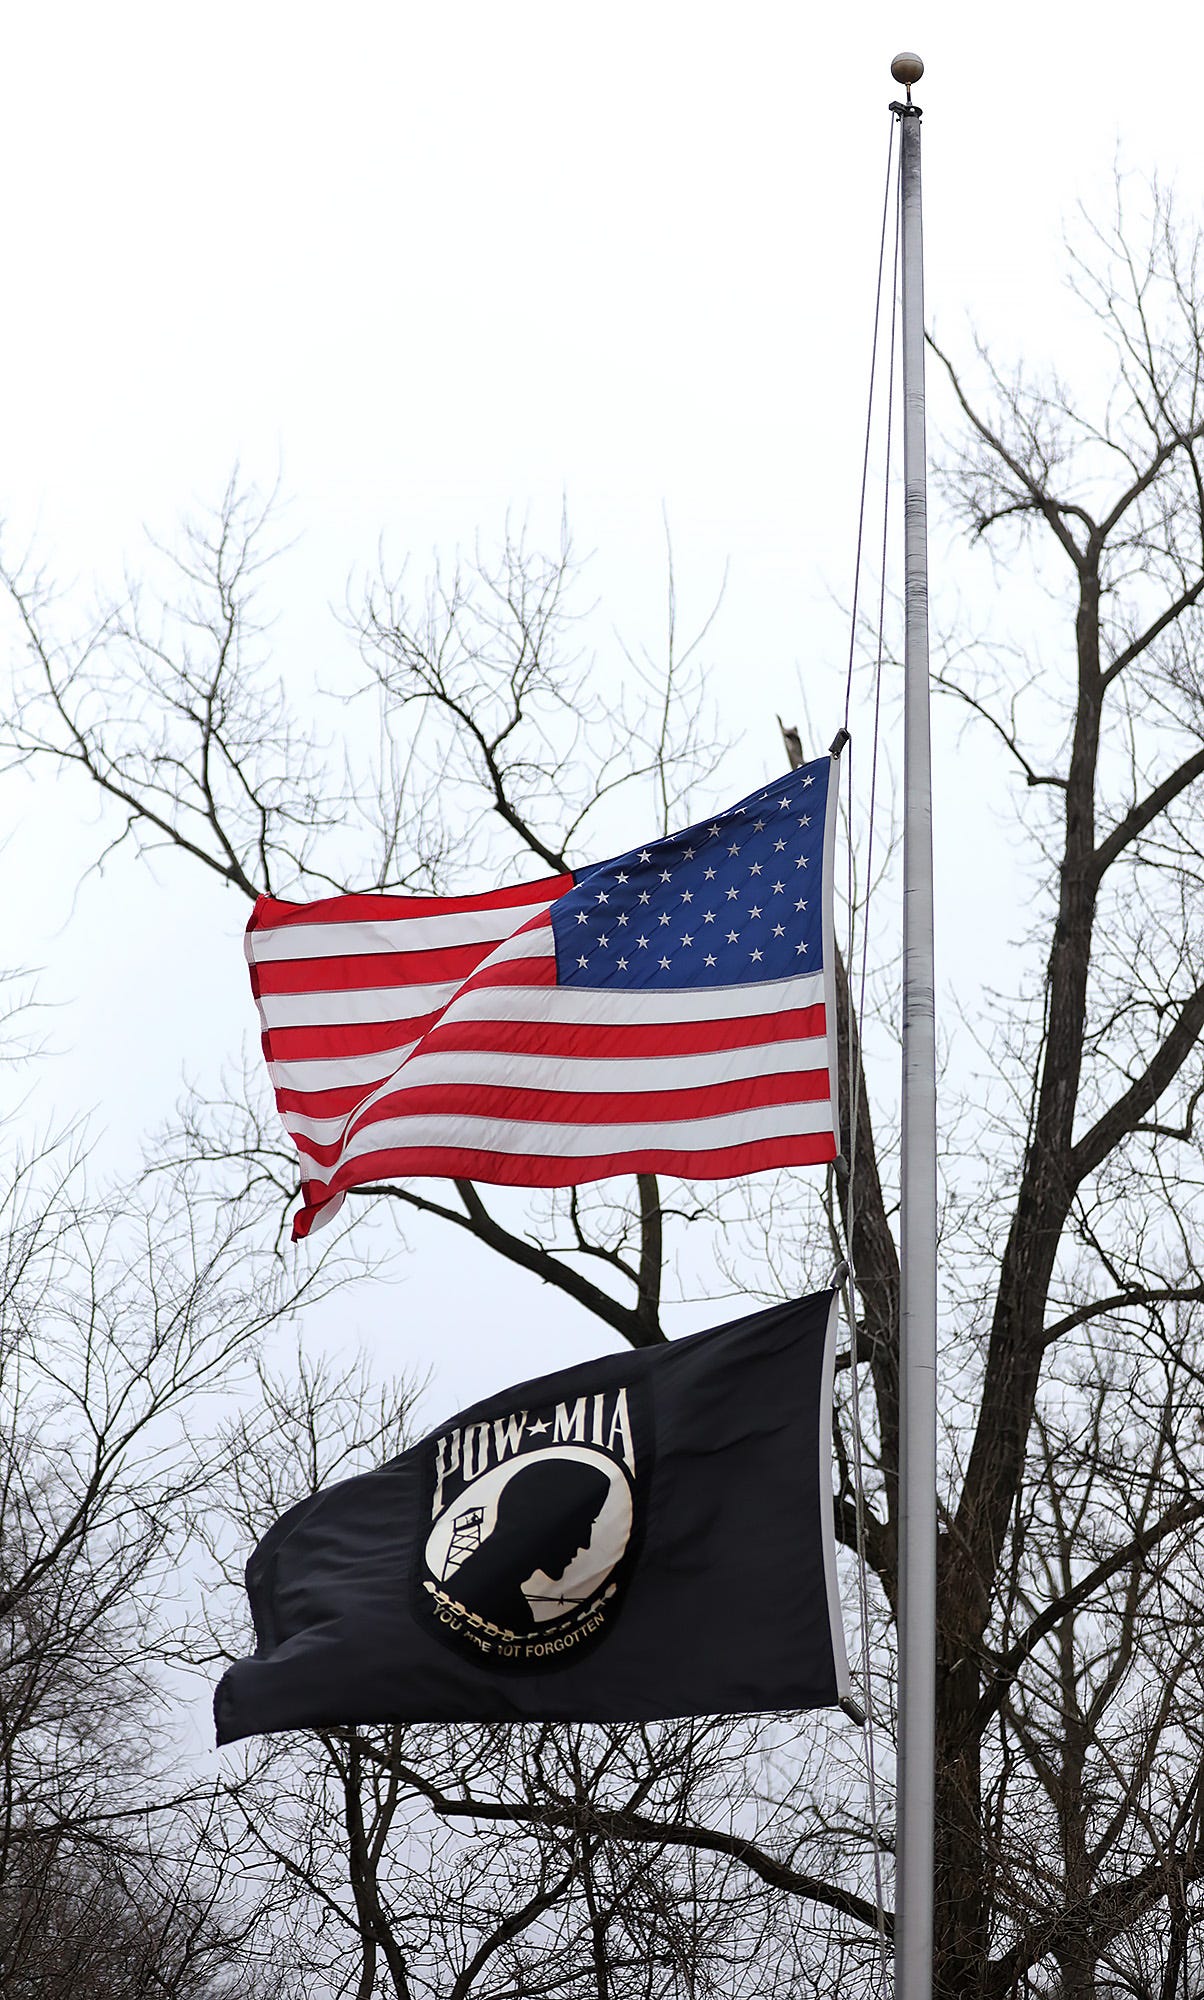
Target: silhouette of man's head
x: 546, y: 1514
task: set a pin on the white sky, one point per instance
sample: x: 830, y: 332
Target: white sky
x: 434, y: 263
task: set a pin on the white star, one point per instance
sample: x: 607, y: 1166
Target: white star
x: 779, y: 930
x: 622, y: 964
x: 664, y: 964
x: 808, y: 780
x: 620, y: 877
x: 708, y: 875
x: 689, y: 854
x: 798, y: 948
x: 664, y: 917
x: 778, y: 845
x: 754, y: 955
x: 644, y: 896
x: 785, y: 804
x: 583, y: 961
x: 778, y: 888
x: 759, y: 826
x: 643, y: 943
x: 714, y: 832
x: 800, y: 906
x: 644, y: 854
x: 687, y: 939
x: 602, y: 896
x: 710, y: 960
x: 755, y: 868
x: 755, y: 911
x: 622, y: 917
x: 687, y: 895
x: 603, y: 940
x: 801, y: 862
x: 731, y: 937
x: 734, y: 848
x: 732, y: 895
x: 708, y: 917
x: 666, y: 875
x: 583, y: 916
x: 805, y: 820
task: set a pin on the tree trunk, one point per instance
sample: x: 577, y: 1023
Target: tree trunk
x: 962, y: 1886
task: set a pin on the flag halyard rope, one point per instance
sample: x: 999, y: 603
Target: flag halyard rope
x: 853, y: 1042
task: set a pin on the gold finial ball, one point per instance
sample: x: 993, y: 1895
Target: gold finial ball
x: 907, y: 68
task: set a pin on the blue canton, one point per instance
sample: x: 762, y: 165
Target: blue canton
x: 737, y: 898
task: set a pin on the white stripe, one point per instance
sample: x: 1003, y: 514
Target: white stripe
x: 629, y: 1073
x: 530, y: 1139
x: 663, y: 1074
x: 335, y: 939
x: 323, y: 1131
x: 596, y: 1006
x: 618, y: 1007
x: 538, y: 942
x: 336, y: 1072
x: 361, y: 1004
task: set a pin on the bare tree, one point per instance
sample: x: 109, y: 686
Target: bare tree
x: 119, y: 1317
x: 1070, y: 1746
x: 1076, y: 1496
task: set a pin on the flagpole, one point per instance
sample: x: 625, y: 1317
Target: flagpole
x: 917, y: 1332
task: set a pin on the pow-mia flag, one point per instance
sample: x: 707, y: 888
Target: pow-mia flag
x: 646, y: 1535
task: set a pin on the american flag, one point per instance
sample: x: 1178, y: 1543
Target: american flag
x: 669, y: 1011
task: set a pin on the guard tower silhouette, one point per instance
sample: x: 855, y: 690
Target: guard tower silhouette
x: 466, y: 1537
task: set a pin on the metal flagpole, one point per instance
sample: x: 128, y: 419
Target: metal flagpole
x: 917, y: 1332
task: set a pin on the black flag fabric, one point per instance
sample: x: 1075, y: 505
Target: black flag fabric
x: 642, y: 1536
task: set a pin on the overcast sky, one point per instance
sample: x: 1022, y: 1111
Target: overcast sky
x: 431, y: 264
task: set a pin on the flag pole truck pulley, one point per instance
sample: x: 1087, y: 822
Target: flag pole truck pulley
x: 918, y: 1304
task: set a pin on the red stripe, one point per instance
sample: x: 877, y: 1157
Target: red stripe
x: 662, y: 1038
x: 327, y: 1043
x: 802, y: 1149
x: 271, y: 914
x: 570, y: 1108
x: 513, y: 972
x: 401, y: 969
x: 338, y: 1102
